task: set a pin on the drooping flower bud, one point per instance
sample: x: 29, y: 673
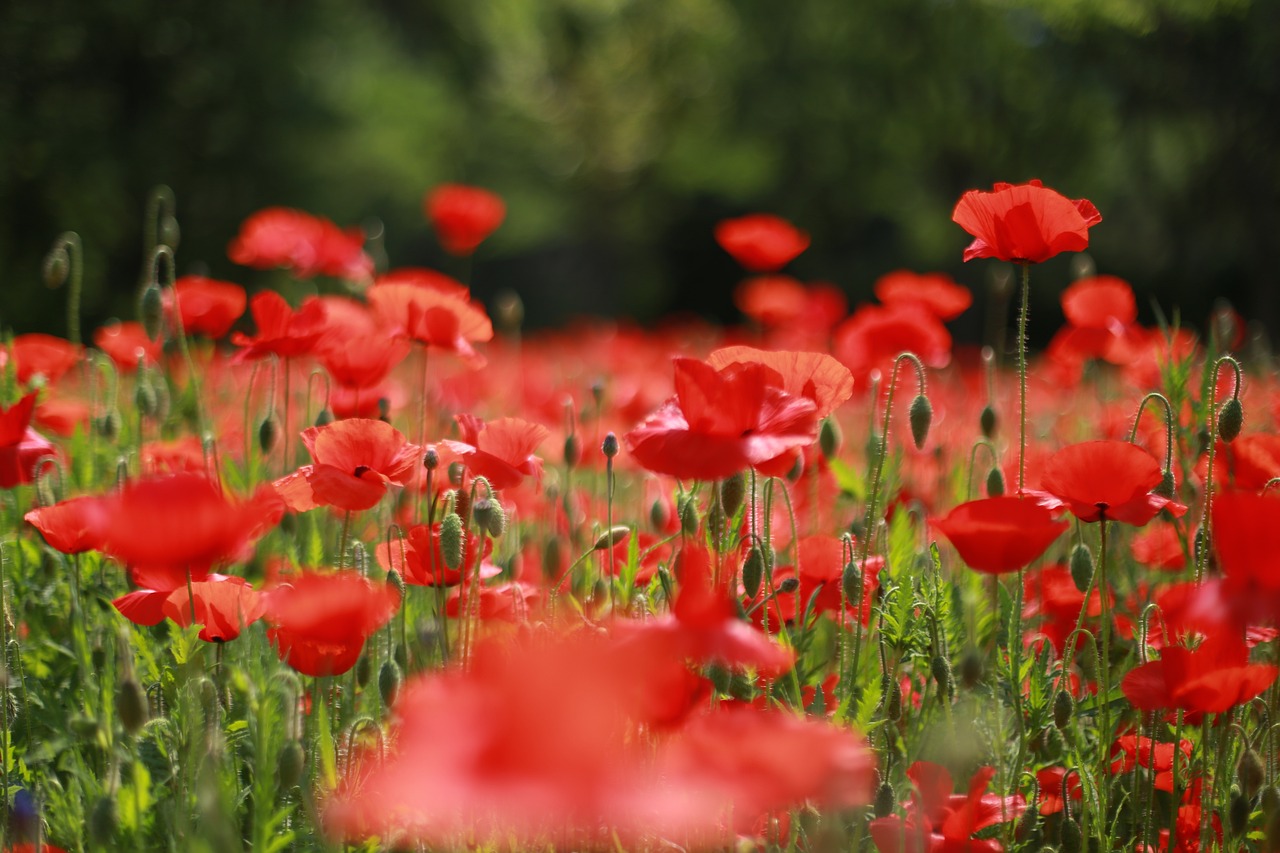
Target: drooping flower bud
x: 363, y: 670
x: 104, y: 822
x: 940, y: 668
x: 688, y: 515
x: 659, y: 514
x: 1238, y: 810
x: 789, y: 585
x: 921, y: 416
x: 1167, y: 487
x: 108, y: 425
x: 490, y: 517
x: 1082, y: 567
x: 995, y: 482
x: 733, y: 491
x: 552, y: 556
x: 290, y: 764
x: 893, y: 707
x: 611, y: 537
x: 1070, y: 838
x: 987, y: 421
x: 151, y: 312
x: 451, y: 544
x: 884, y: 801
x: 268, y: 434
x: 131, y: 705
x: 396, y: 582
x: 1251, y: 772
x: 609, y: 446
x: 572, y: 450
x: 851, y: 580
x: 389, y: 683
x: 1064, y: 708
x: 971, y: 667
x: 830, y: 438
x: 1230, y: 419
x: 753, y: 571
x: 57, y: 265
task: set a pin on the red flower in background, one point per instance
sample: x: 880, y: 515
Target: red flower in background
x: 281, y: 330
x: 224, y: 606
x: 420, y: 560
x: 304, y: 244
x: 780, y: 300
x: 322, y: 620
x: 463, y: 216
x: 936, y: 292
x: 998, y: 535
x: 761, y: 242
x: 721, y: 422
x: 128, y: 345
x: 939, y: 821
x: 874, y: 335
x: 1109, y: 480
x: 43, y: 355
x: 21, y: 447
x: 1024, y: 223
x: 501, y: 451
x: 433, y: 316
x: 72, y: 526
x: 1214, y: 677
x: 1102, y: 302
x: 356, y: 462
x: 206, y: 306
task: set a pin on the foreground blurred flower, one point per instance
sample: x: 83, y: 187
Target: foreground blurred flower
x: 43, y: 355
x: 998, y: 535
x: 355, y: 462
x: 206, y: 306
x: 1024, y: 223
x: 935, y: 292
x: 72, y: 526
x: 322, y: 620
x: 1211, y: 679
x: 939, y: 821
x: 304, y: 244
x: 463, y: 216
x: 21, y: 447
x: 761, y: 242
x: 501, y: 451
x: 281, y: 330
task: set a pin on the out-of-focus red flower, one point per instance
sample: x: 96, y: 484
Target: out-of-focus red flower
x: 183, y: 521
x: 761, y: 242
x: 1051, y: 593
x: 72, y: 526
x: 936, y: 292
x: 128, y: 345
x: 814, y: 375
x: 463, y: 216
x: 938, y: 821
x: 1101, y: 302
x: 433, y: 317
x: 207, y: 306
x: 223, y: 607
x: 1049, y: 781
x: 1159, y: 547
x: 420, y: 560
x: 172, y: 457
x: 365, y: 361
x: 1136, y: 750
x: 306, y: 245
x: 43, y: 355
x: 1106, y: 480
x: 501, y: 451
x: 1024, y: 223
x: 355, y: 462
x: 998, y: 535
x: 21, y: 447
x: 721, y: 421
x: 62, y: 416
x: 281, y: 330
x: 874, y: 335
x: 320, y: 621
x: 780, y: 300
x: 1215, y: 676
x: 428, y: 279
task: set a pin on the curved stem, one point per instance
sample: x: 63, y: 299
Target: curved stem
x: 1168, y: 425
x: 973, y: 456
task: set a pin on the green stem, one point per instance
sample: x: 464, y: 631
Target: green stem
x: 1022, y: 377
x: 1104, y: 678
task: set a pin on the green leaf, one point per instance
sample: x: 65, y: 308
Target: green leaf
x: 328, y: 758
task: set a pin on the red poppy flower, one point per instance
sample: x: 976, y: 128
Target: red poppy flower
x: 420, y: 559
x: 223, y: 607
x: 938, y: 821
x: 463, y: 216
x: 428, y: 279
x: 1049, y: 781
x: 1214, y: 677
x: 501, y: 451
x: 356, y: 462
x: 873, y: 336
x: 432, y: 317
x: 1051, y: 593
x: 146, y: 604
x: 43, y: 355
x: 304, y: 244
x: 363, y: 361
x: 1102, y: 302
x: 206, y: 306
x: 322, y: 620
x: 1136, y: 750
x: 998, y: 535
x: 128, y: 345
x: 1159, y: 547
x: 814, y: 375
x: 761, y: 242
x: 72, y: 526
x: 281, y: 330
x: 721, y: 422
x: 780, y: 300
x: 183, y: 521
x: 1024, y: 223
x: 1109, y: 480
x: 936, y: 292
x: 62, y: 416
x: 172, y: 457
x: 21, y: 447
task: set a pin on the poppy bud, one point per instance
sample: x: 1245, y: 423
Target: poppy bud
x: 1202, y: 440
x: 1270, y: 800
x: 1070, y: 838
x: 1063, y: 708
x: 396, y: 581
x: 1251, y: 772
x: 209, y: 700
x: 151, y: 311
x: 384, y: 410
x: 688, y: 515
x: 995, y: 482
x: 851, y: 580
x: 144, y: 398
x: 611, y: 537
x: 1272, y: 832
x: 108, y: 425
x: 268, y: 434
x: 290, y: 764
x: 1230, y: 419
x: 325, y: 417
x: 364, y: 669
x: 131, y: 705
x: 451, y: 545
x: 572, y: 450
x: 987, y: 421
x: 1238, y: 811
x: 921, y: 416
x: 940, y: 667
x: 455, y: 473
x: 170, y: 232
x: 830, y: 438
x: 47, y: 488
x: 389, y: 683
x: 884, y: 799
x: 789, y: 585
x: 971, y: 667
x: 462, y: 505
x: 609, y: 446
x: 893, y: 708
x: 104, y: 821
x: 753, y: 571
x: 733, y: 491
x: 1028, y: 823
x: 431, y: 459
x: 1082, y: 567
x: 875, y: 448
x: 552, y: 556
x: 659, y: 514
x: 488, y: 514
x: 717, y: 522
x: 56, y: 266
x: 797, y: 469
x: 1167, y: 486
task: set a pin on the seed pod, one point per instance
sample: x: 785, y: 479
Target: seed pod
x: 290, y: 764
x: 851, y: 580
x: 789, y: 585
x: 611, y: 537
x: 995, y: 482
x: 1070, y: 838
x: 1251, y: 772
x: 364, y: 670
x: 268, y: 434
x: 830, y: 438
x: 1230, y: 420
x: 921, y: 416
x: 1064, y: 707
x: 1082, y: 567
x: 151, y: 312
x: 389, y: 683
x: 131, y: 705
x: 987, y: 421
x: 485, y: 512
x: 1238, y: 812
x: 971, y: 667
x: 324, y: 417
x: 940, y: 667
x: 104, y: 822
x: 451, y: 543
x: 884, y: 801
x: 572, y: 450
x: 609, y: 447
x: 1167, y: 487
x: 753, y: 571
x: 733, y: 491
x: 689, y: 516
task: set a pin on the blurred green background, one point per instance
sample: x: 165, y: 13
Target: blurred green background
x: 620, y: 131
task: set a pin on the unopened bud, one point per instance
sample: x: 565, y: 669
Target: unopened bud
x: 455, y: 473
x: 940, y: 668
x: 1027, y: 824
x: 971, y: 667
x: 611, y: 537
x: 1070, y: 838
x: 490, y: 516
x: 830, y: 438
x: 689, y: 515
x: 57, y: 265
x: 104, y: 822
x: 851, y: 581
x: 1167, y: 487
x: 1064, y: 708
x: 1082, y: 567
x: 921, y: 416
x: 1270, y: 800
x: 1251, y: 772
x: 995, y: 482
x: 572, y: 451
x: 268, y: 434
x: 363, y: 670
x: 108, y: 425
x: 431, y: 459
x: 1230, y: 419
x: 884, y: 801
x: 1238, y: 811
x: 733, y: 491
x: 462, y: 505
x: 389, y: 683
x: 451, y: 544
x: 659, y: 514
x: 789, y: 585
x: 396, y: 581
x: 324, y: 417
x: 290, y: 764
x: 131, y: 705
x: 753, y: 571
x: 151, y: 312
x: 144, y: 397
x: 552, y: 557
x: 170, y: 232
x: 893, y: 707
x: 609, y: 446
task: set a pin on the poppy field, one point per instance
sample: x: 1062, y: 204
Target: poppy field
x: 373, y: 570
